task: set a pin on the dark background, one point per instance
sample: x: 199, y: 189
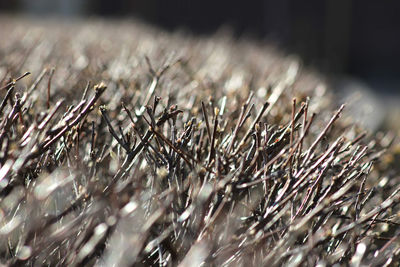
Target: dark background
x: 360, y: 38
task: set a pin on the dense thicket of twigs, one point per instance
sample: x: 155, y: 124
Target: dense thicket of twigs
x: 130, y: 146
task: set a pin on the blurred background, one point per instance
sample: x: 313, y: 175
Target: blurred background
x: 355, y: 41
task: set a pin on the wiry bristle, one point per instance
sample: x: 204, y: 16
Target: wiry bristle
x: 187, y: 151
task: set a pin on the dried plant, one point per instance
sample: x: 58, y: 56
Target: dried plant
x: 188, y: 151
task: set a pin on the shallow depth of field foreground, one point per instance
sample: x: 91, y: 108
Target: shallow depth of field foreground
x: 122, y: 145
